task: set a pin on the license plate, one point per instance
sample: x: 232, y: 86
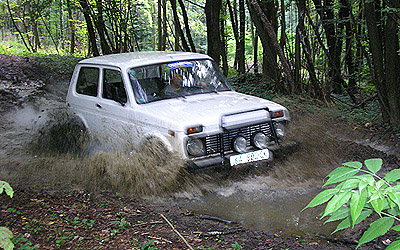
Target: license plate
x: 249, y: 157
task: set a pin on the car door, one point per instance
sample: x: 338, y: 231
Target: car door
x: 83, y: 96
x: 113, y: 106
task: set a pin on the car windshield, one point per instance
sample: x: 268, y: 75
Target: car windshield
x: 176, y: 79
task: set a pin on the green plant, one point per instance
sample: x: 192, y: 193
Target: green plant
x: 237, y: 246
x: 148, y: 245
x: 359, y: 192
x: 122, y: 224
x: 5, y: 233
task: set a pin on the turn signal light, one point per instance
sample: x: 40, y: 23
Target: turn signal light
x: 194, y: 130
x: 277, y: 114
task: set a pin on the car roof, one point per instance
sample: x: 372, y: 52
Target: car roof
x: 136, y: 59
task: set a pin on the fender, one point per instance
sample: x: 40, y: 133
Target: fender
x: 157, y: 135
x: 81, y: 119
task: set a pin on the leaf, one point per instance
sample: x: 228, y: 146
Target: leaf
x: 339, y: 214
x: 373, y: 165
x: 396, y: 228
x: 393, y: 175
x: 353, y: 164
x: 340, y: 174
x: 336, y: 202
x: 376, y: 229
x: 395, y: 197
x: 343, y: 225
x: 357, y: 203
x: 5, y: 238
x: 350, y: 184
x: 365, y: 180
x: 320, y: 198
x: 394, y: 245
x: 377, y: 204
x: 346, y: 222
x: 5, y: 186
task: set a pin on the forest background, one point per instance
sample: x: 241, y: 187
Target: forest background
x: 332, y: 50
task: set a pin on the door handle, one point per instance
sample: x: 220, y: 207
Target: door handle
x: 99, y: 106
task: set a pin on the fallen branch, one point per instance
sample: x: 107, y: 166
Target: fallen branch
x: 214, y: 233
x: 146, y: 223
x: 337, y: 240
x: 160, y: 239
x: 176, y: 231
x: 216, y: 219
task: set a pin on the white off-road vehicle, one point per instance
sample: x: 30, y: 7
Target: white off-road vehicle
x: 180, y: 99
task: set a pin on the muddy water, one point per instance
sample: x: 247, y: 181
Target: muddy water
x: 260, y: 207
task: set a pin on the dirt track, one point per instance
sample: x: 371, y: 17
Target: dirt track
x: 49, y: 212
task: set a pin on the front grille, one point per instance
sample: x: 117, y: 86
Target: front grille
x: 222, y: 143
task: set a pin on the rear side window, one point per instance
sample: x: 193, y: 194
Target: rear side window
x: 88, y: 81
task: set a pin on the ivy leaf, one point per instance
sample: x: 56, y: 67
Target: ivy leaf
x: 341, y: 174
x: 320, y: 198
x: 393, y: 175
x: 5, y: 186
x: 373, y: 165
x: 5, y: 238
x: 336, y: 202
x: 376, y: 229
x: 357, y: 203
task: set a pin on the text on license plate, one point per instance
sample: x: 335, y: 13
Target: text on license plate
x: 250, y: 157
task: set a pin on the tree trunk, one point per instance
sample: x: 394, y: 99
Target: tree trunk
x: 101, y: 29
x: 71, y: 27
x: 392, y: 61
x: 235, y: 30
x: 224, y: 56
x: 90, y: 29
x: 178, y: 27
x: 271, y: 71
x: 212, y: 11
x: 61, y: 23
x: 241, y: 60
x: 326, y: 13
x: 268, y: 38
x: 187, y: 28
x: 159, y: 23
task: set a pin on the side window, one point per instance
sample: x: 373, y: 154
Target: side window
x: 113, y: 86
x: 88, y: 81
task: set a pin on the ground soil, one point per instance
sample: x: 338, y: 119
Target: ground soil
x: 74, y: 218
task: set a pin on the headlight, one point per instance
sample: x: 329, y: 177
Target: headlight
x: 195, y: 147
x: 240, y: 144
x: 280, y: 129
x: 260, y: 140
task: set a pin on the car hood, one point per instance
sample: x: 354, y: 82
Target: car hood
x: 203, y: 109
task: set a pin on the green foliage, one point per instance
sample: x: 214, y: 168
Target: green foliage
x: 148, y: 245
x: 252, y: 84
x: 359, y: 192
x: 5, y: 233
x: 237, y: 246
